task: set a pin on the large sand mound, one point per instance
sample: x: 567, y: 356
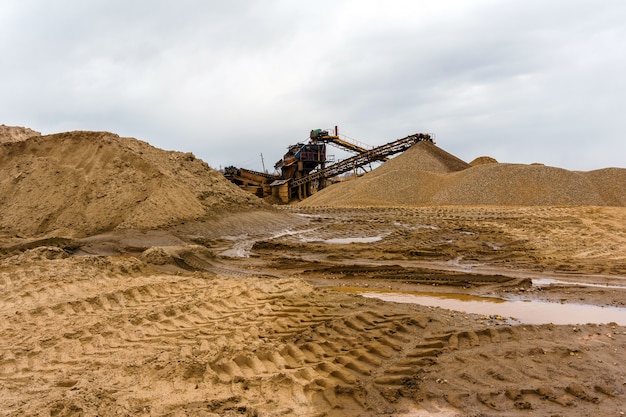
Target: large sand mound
x: 82, y: 183
x: 425, y: 175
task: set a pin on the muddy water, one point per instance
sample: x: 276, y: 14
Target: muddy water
x: 550, y: 281
x: 344, y: 241
x: 522, y: 311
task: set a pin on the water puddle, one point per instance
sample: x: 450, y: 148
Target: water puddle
x: 522, y: 311
x: 243, y: 244
x: 289, y: 232
x: 342, y: 240
x: 309, y: 216
x: 242, y: 247
x: 549, y: 281
x: 346, y: 240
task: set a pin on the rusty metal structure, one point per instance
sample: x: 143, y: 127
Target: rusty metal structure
x: 305, y: 167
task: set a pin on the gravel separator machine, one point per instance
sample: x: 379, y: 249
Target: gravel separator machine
x: 305, y: 167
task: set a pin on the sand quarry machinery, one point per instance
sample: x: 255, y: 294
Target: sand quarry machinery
x: 306, y: 167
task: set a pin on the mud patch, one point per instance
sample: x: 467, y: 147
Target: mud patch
x: 414, y: 275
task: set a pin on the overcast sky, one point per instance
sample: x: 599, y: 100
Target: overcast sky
x: 520, y: 80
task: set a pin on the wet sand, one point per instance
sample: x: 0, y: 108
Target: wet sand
x: 160, y: 324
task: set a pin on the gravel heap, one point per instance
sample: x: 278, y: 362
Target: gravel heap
x: 423, y: 156
x: 425, y: 175
x: 82, y: 183
x: 482, y: 160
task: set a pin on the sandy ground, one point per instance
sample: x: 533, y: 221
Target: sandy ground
x: 239, y: 316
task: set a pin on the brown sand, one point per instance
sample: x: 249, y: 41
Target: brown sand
x: 82, y: 183
x: 16, y: 133
x: 425, y: 175
x: 108, y: 309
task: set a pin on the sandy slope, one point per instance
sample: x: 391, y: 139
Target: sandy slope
x: 82, y: 183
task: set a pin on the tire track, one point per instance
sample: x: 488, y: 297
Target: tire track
x: 239, y: 342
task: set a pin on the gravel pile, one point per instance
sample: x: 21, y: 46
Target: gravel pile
x: 423, y: 156
x: 482, y: 160
x: 610, y: 184
x: 425, y: 175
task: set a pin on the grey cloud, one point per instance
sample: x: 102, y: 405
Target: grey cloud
x: 523, y: 81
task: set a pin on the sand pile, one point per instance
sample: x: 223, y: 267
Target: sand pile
x: 425, y: 175
x: 82, y: 183
x: 15, y: 133
x: 423, y: 156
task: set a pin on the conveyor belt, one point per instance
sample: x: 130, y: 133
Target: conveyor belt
x: 364, y: 158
